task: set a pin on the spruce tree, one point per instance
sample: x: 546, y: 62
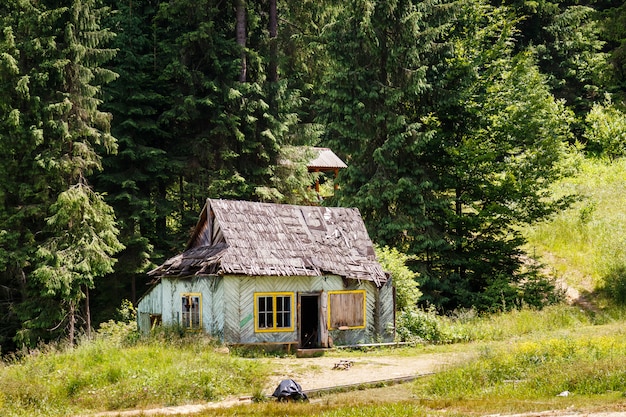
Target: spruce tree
x: 613, y: 26
x: 381, y: 53
x: 137, y: 178
x: 54, y: 143
x: 451, y: 140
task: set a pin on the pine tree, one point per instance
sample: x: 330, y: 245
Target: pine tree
x: 136, y: 179
x: 613, y: 26
x: 451, y: 140
x: 501, y: 138
x: 53, y: 145
x: 370, y: 105
x: 228, y: 132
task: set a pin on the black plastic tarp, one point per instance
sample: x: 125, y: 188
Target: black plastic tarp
x: 288, y: 389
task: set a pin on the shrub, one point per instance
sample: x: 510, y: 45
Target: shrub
x: 123, y: 331
x: 394, y: 262
x: 417, y: 325
x: 615, y: 285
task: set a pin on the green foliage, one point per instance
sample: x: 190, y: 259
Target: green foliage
x: 446, y: 174
x: 52, y: 137
x: 417, y: 325
x: 188, y: 127
x: 83, y: 240
x: 443, y: 110
x: 123, y: 331
x: 613, y: 25
x: 136, y: 178
x: 370, y: 108
x: 104, y: 375
x: 606, y: 131
x: 615, y: 285
x: 547, y: 350
x: 291, y: 182
x: 466, y: 325
x: 404, y: 280
x: 584, y: 244
x: 536, y: 369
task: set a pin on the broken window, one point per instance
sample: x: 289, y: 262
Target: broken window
x: 346, y: 309
x: 274, y: 312
x: 191, y: 317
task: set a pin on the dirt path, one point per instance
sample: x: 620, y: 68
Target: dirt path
x: 316, y: 373
x: 320, y: 372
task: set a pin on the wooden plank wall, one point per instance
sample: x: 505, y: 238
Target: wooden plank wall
x: 239, y: 315
x: 165, y: 299
x: 387, y: 315
x: 151, y: 303
x: 228, y: 306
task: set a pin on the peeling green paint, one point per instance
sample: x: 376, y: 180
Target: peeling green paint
x: 245, y: 320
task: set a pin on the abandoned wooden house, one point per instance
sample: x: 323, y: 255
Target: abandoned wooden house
x: 260, y: 273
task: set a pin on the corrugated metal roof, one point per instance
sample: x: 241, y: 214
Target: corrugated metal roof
x: 326, y: 159
x: 280, y: 240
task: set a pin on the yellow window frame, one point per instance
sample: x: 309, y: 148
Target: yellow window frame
x: 329, y: 312
x: 190, y: 326
x: 274, y: 327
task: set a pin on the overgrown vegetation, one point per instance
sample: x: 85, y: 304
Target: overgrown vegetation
x: 119, y: 118
x: 586, y: 244
x: 526, y: 356
x: 582, y: 365
x: 117, y: 371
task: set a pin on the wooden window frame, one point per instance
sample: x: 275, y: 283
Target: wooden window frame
x: 190, y: 326
x: 364, y: 321
x: 273, y: 296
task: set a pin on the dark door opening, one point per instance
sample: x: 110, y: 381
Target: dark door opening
x: 309, y: 322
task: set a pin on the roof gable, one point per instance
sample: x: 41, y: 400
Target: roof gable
x: 241, y: 237
x: 325, y: 159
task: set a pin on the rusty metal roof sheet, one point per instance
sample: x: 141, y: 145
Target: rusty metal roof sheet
x: 241, y: 237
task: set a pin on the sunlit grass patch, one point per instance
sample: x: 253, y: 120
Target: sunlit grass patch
x: 98, y: 375
x: 587, y: 243
x: 535, y: 369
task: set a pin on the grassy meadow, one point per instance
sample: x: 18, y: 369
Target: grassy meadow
x: 560, y: 358
x: 586, y: 245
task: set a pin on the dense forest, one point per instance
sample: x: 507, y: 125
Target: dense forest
x: 118, y: 118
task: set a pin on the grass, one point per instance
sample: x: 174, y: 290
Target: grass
x: 100, y: 375
x: 525, y: 373
x: 524, y: 359
x: 586, y: 244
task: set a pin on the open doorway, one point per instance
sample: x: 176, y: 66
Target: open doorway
x: 309, y: 321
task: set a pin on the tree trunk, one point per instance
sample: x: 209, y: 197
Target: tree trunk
x: 72, y: 317
x: 87, y: 313
x: 272, y: 72
x: 240, y: 6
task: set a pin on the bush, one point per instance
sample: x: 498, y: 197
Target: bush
x: 417, y: 325
x: 615, y: 285
x: 405, y: 280
x: 124, y: 331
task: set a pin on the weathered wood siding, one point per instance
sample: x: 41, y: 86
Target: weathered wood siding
x: 165, y: 299
x: 387, y: 312
x: 228, y: 306
x: 239, y: 314
x: 239, y: 317
x: 150, y: 304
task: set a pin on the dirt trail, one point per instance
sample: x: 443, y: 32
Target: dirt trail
x: 317, y: 373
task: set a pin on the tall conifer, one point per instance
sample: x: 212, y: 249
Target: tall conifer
x: 54, y: 145
x: 450, y: 140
